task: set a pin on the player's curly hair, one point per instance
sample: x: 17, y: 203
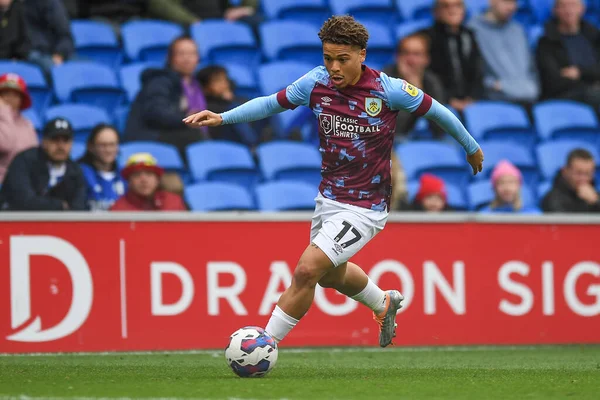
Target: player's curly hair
x: 344, y: 29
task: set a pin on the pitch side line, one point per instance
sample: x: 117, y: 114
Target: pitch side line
x: 25, y: 397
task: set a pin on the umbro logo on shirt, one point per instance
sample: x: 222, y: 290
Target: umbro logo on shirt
x: 326, y: 100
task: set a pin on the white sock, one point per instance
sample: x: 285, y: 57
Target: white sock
x: 372, y: 296
x: 280, y: 324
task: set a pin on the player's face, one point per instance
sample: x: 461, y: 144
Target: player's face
x: 507, y: 189
x: 433, y: 203
x: 185, y: 57
x: 106, y: 146
x: 58, y: 148
x: 450, y: 12
x: 569, y: 11
x: 579, y: 172
x: 343, y: 62
x: 504, y: 10
x: 143, y: 183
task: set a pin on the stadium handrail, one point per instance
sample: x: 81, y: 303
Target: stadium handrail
x: 396, y: 217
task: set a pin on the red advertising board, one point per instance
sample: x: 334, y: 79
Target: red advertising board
x: 98, y: 286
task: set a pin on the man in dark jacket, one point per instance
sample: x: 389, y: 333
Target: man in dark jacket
x: 45, y: 178
x: 455, y: 55
x: 50, y: 32
x: 166, y: 97
x: 14, y: 39
x: 573, y: 189
x: 568, y: 55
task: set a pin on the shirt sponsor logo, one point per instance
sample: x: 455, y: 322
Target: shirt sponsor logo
x: 344, y: 127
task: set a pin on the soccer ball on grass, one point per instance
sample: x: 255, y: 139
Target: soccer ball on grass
x: 251, y: 352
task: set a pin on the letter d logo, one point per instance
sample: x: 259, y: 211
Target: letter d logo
x: 21, y: 248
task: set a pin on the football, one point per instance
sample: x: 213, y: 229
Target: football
x: 251, y: 352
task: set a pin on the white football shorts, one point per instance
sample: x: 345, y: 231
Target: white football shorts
x: 341, y: 230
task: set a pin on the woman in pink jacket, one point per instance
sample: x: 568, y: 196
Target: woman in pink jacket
x: 16, y: 131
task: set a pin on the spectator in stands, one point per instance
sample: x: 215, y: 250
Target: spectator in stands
x: 509, y: 68
x: 190, y: 11
x: 218, y: 91
x: 49, y: 31
x: 412, y: 65
x: 573, y: 189
x: 72, y: 7
x: 115, y: 12
x: 16, y: 131
x: 568, y: 55
x: 45, y: 178
x: 399, y: 200
x: 99, y: 165
x: 14, y: 38
x: 455, y: 55
x: 507, y: 181
x: 167, y: 96
x: 143, y: 194
x: 431, y: 196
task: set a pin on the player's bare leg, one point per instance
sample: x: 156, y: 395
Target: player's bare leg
x: 351, y: 280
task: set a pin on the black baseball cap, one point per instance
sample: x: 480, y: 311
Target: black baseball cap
x: 58, y: 127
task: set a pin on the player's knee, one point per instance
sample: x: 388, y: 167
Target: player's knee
x: 306, y: 275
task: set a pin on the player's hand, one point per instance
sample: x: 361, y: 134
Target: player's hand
x: 476, y: 161
x: 203, y: 118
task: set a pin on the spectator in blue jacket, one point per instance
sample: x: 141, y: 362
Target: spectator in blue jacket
x: 49, y: 32
x: 99, y: 164
x: 507, y: 181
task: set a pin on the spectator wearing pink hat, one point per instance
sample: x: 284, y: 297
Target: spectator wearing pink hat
x: 432, y: 196
x: 507, y: 181
x: 16, y: 131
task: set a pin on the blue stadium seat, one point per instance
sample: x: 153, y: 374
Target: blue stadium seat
x: 222, y: 161
x: 83, y: 117
x: 381, y: 11
x: 121, y: 115
x: 495, y: 120
x: 245, y: 81
x: 542, y: 9
x: 131, y: 75
x: 78, y: 150
x: 286, y: 195
x: 543, y: 189
x: 289, y: 120
x: 291, y: 40
x: 408, y: 28
x: 218, y: 196
x: 521, y: 156
x: 281, y: 160
x: 415, y: 9
x: 223, y: 42
x: 273, y: 77
x: 41, y: 94
x: 534, y: 33
x: 312, y: 11
x: 166, y: 155
x: 482, y: 193
x: 87, y: 82
x: 552, y: 156
x: 564, y: 119
x: 96, y: 41
x: 441, y: 159
x: 35, y: 119
x: 476, y: 7
x: 381, y: 44
x: 148, y: 40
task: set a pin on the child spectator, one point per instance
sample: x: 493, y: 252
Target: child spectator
x: 507, y: 181
x: 16, y: 131
x: 143, y: 194
x: 99, y: 164
x: 14, y: 38
x: 431, y: 196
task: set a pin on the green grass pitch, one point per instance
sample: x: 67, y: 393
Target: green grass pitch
x: 545, y: 372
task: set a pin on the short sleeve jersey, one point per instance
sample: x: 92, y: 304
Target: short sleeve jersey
x: 356, y: 131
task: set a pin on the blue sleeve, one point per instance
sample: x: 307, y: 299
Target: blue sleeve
x: 298, y: 93
x: 253, y: 110
x: 400, y: 94
x: 448, y: 122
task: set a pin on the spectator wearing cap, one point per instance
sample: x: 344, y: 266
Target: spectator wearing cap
x: 431, y: 196
x: 99, y: 164
x: 45, y: 178
x: 16, y: 131
x: 143, y: 175
x: 507, y: 182
x: 14, y: 37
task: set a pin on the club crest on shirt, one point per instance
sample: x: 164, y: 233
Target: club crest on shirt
x: 373, y: 106
x: 410, y: 89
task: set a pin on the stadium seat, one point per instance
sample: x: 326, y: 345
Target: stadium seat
x: 281, y: 160
x: 552, y: 156
x: 381, y: 11
x: 534, y: 33
x: 246, y: 85
x: 482, y: 193
x: 78, y: 150
x: 273, y: 77
x: 543, y: 189
x: 286, y: 196
x: 441, y: 159
x: 476, y: 7
x: 542, y: 9
x: 83, y: 117
x: 408, y: 28
x: 564, y: 119
x: 222, y: 161
x: 121, y: 115
x: 96, y: 41
x: 166, y: 155
x: 312, y: 11
x: 223, y: 42
x: 35, y: 119
x: 218, y: 196
x: 291, y: 40
x: 495, y: 120
x: 381, y: 44
x: 148, y: 40
x: 41, y: 94
x: 521, y: 156
x: 415, y: 9
x: 87, y: 82
x: 289, y: 120
x: 131, y: 75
